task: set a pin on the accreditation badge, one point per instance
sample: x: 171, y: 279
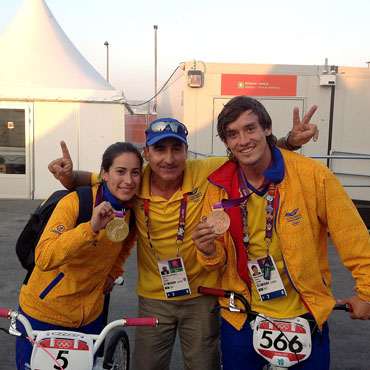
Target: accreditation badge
x: 174, y: 279
x: 267, y: 288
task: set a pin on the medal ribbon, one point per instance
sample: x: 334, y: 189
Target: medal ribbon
x: 242, y: 202
x: 121, y: 213
x: 180, y: 228
x: 99, y: 196
x: 230, y: 203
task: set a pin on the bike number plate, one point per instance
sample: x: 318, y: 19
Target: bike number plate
x: 72, y: 350
x: 282, y: 342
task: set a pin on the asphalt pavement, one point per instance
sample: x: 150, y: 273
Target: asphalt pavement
x: 350, y: 339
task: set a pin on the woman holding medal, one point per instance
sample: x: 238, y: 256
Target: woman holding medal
x: 76, y: 265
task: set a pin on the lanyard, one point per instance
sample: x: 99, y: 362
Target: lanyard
x: 270, y: 215
x: 99, y: 196
x: 271, y: 196
x: 180, y: 228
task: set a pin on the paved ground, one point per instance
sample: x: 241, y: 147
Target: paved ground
x: 350, y: 339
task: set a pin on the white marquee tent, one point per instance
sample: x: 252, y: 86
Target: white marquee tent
x: 49, y: 92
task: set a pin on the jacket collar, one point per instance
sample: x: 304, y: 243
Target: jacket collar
x: 225, y: 175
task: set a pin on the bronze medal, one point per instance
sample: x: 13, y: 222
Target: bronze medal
x: 117, y: 229
x: 220, y: 220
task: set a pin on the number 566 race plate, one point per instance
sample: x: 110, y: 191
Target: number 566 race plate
x: 282, y: 342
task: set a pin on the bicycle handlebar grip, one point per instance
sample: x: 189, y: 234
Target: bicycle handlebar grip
x: 345, y: 307
x: 4, y: 312
x: 141, y: 321
x: 211, y: 291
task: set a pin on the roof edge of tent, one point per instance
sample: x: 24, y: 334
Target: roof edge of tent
x: 63, y: 95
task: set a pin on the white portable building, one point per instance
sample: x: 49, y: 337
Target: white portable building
x: 49, y: 92
x: 197, y: 92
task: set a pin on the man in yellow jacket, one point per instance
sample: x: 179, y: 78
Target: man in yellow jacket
x: 291, y: 201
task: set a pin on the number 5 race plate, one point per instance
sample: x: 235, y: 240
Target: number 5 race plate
x: 282, y: 342
x: 72, y: 350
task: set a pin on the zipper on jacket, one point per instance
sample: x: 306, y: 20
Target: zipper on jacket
x: 282, y: 255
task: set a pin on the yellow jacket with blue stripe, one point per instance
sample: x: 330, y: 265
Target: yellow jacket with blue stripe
x: 311, y: 200
x: 72, y: 264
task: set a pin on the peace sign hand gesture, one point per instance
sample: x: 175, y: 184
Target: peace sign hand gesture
x: 303, y: 131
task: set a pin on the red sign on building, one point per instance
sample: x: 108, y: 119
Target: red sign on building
x: 259, y: 85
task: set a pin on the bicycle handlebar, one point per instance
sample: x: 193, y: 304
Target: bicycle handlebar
x: 343, y: 307
x: 4, y: 312
x: 141, y: 321
x: 227, y: 293
x: 213, y: 291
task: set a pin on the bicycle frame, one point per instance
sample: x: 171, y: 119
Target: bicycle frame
x: 97, y: 339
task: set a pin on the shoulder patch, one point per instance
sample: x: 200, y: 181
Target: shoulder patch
x: 58, y: 230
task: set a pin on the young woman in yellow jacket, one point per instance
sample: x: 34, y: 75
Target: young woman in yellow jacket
x: 76, y: 265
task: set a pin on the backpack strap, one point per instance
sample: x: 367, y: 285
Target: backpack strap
x: 85, y: 207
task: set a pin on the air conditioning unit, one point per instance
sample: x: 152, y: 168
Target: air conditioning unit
x: 328, y: 80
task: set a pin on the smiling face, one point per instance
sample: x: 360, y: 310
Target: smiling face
x: 123, y: 176
x: 167, y: 159
x: 246, y: 139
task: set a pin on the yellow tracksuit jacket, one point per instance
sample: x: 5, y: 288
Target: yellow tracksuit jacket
x: 72, y: 264
x: 311, y: 201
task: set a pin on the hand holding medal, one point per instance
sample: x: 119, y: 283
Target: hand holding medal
x: 105, y: 217
x: 210, y: 228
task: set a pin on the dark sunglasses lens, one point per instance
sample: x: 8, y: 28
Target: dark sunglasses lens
x: 178, y: 127
x: 158, y: 126
x: 174, y: 126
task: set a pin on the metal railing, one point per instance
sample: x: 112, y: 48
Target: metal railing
x: 329, y: 157
x: 345, y: 156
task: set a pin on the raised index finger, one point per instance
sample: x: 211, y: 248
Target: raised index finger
x: 65, y: 151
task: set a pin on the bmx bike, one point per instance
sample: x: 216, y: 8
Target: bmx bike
x: 69, y: 350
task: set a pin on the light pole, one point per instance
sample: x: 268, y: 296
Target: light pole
x: 155, y: 66
x: 107, y: 45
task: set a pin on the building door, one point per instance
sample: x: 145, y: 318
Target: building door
x: 15, y: 150
x: 280, y: 110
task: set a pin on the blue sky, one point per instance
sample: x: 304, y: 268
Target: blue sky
x: 235, y: 31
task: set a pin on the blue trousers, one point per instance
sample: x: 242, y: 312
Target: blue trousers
x: 23, y: 347
x: 238, y: 352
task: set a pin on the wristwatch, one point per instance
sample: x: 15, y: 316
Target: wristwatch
x: 288, y: 145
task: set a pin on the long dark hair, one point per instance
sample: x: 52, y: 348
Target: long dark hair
x: 117, y: 149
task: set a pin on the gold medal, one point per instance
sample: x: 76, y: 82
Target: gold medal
x: 220, y: 220
x: 117, y: 229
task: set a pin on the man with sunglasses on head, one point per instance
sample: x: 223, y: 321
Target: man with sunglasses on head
x: 167, y: 209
